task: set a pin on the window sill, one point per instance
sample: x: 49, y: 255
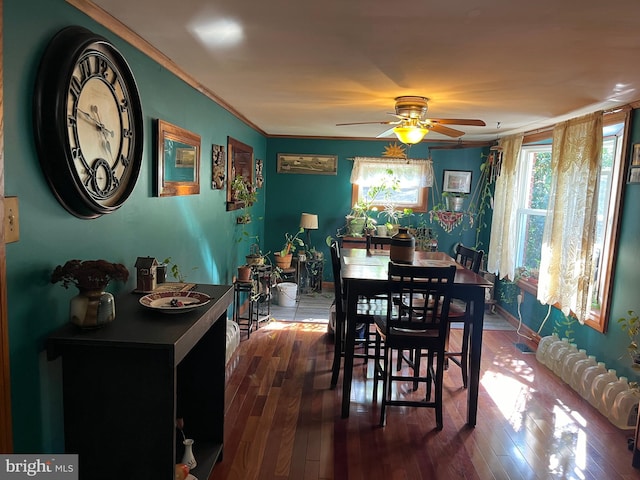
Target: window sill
x: 529, y: 285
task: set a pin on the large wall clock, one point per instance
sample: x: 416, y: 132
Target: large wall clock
x: 87, y: 122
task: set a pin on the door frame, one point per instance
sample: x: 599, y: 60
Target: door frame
x: 6, y: 430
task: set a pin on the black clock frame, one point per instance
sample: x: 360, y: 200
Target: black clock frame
x: 50, y: 122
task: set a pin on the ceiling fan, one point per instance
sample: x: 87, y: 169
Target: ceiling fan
x: 412, y: 124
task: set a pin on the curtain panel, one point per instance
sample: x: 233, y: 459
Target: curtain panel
x: 569, y: 231
x: 503, y: 240
x: 411, y: 172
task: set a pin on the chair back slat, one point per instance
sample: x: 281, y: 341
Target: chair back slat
x: 420, y: 300
x: 378, y: 243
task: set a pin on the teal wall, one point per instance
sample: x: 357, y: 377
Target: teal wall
x: 329, y: 196
x: 196, y: 230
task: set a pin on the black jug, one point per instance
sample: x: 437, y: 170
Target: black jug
x: 403, y: 246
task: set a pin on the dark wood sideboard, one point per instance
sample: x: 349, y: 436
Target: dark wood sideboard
x: 125, y: 384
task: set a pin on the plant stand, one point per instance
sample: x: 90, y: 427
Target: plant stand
x: 310, y: 276
x: 256, y: 293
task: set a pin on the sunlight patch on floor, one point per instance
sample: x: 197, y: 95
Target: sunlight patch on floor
x: 567, y: 455
x: 569, y: 451
x: 509, y: 394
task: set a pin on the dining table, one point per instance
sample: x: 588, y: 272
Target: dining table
x: 364, y: 273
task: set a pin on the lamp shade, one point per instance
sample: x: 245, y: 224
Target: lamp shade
x: 309, y: 221
x: 410, y: 134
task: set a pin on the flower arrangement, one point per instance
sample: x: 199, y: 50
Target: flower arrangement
x: 89, y: 274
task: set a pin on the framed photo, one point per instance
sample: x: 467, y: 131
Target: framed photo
x: 185, y: 157
x: 634, y: 174
x: 457, y: 181
x: 310, y: 164
x: 635, y: 158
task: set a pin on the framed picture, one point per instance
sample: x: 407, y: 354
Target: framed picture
x: 239, y: 163
x: 311, y: 164
x: 457, y: 181
x: 185, y: 157
x: 177, y: 161
x: 635, y: 159
x: 634, y: 174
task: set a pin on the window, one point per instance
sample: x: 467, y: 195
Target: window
x: 534, y: 178
x: 535, y: 183
x: 606, y: 225
x: 409, y: 180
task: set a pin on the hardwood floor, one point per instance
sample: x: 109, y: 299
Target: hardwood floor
x: 283, y: 421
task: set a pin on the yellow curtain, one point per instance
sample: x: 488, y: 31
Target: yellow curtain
x: 569, y: 231
x: 502, y: 251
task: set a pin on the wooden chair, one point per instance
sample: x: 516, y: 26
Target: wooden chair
x: 378, y: 243
x: 363, y: 316
x: 415, y: 325
x: 459, y: 311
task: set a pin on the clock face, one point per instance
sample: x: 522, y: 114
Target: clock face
x: 88, y: 123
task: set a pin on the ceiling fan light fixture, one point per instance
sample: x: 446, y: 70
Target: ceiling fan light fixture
x: 410, y: 134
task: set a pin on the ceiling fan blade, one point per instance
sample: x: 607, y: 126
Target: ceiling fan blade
x: 450, y: 132
x: 457, y: 121
x: 366, y: 123
x: 386, y: 133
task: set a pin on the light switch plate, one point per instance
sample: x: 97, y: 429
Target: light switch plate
x: 11, y: 220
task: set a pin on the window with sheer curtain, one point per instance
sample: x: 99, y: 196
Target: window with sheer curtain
x: 414, y: 177
x: 591, y: 253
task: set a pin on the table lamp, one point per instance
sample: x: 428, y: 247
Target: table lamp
x: 309, y: 222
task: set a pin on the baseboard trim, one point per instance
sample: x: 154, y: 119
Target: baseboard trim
x: 524, y: 330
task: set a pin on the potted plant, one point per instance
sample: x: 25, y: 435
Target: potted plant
x: 178, y: 275
x: 454, y: 201
x: 358, y: 220
x: 283, y: 257
x: 255, y: 257
x: 631, y: 325
x: 242, y: 191
x: 393, y: 216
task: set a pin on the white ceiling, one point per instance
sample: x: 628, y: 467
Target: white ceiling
x: 300, y: 67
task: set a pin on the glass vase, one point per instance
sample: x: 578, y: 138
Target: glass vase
x: 92, y: 308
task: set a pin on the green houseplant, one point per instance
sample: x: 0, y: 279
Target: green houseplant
x: 359, y: 221
x: 631, y: 325
x: 291, y: 242
x: 454, y: 201
x: 243, y: 191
